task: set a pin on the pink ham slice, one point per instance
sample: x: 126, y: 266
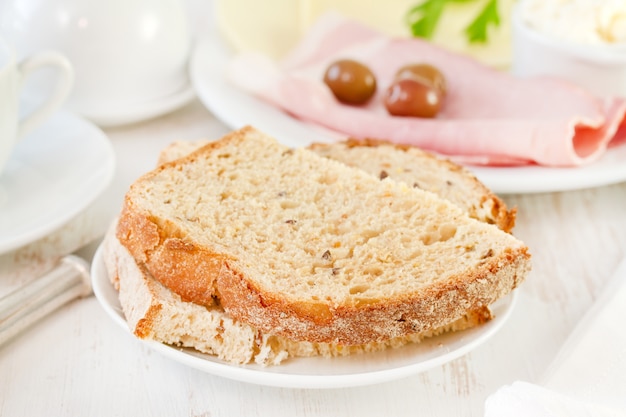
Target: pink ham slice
x: 489, y: 117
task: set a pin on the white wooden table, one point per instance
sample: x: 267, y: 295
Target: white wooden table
x: 77, y: 362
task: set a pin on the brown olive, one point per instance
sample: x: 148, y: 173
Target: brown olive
x: 425, y: 72
x: 350, y: 81
x: 408, y: 97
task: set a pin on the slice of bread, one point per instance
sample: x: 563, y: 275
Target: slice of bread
x: 154, y: 312
x: 408, y: 164
x: 310, y: 249
x: 424, y: 170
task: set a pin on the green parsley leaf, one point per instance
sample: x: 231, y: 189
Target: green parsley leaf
x: 424, y: 17
x: 477, y: 30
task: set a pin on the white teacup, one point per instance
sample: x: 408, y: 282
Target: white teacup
x: 12, y: 76
x: 128, y: 55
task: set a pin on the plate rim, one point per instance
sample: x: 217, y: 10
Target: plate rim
x: 261, y: 376
x: 146, y: 110
x: 104, y: 173
x: 501, y: 180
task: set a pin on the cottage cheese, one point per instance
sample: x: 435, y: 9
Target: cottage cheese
x: 582, y: 21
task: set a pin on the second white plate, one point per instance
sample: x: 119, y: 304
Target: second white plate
x: 53, y: 174
x: 319, y: 372
x: 237, y: 108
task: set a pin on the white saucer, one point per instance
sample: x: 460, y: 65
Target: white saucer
x: 237, y: 108
x: 53, y: 174
x: 319, y: 372
x: 144, y: 110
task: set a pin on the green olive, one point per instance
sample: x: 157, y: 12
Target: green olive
x: 426, y: 73
x: 410, y: 97
x: 350, y: 81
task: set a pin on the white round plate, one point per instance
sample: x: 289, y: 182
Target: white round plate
x: 319, y: 372
x: 237, y: 108
x: 52, y: 175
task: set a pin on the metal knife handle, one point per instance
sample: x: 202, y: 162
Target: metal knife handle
x: 68, y: 280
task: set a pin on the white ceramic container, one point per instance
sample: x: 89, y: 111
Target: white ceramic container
x: 599, y: 68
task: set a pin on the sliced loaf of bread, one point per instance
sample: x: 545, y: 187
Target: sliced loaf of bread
x: 310, y: 249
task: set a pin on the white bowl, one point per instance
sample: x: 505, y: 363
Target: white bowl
x: 601, y: 69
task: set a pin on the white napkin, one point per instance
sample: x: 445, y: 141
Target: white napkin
x: 588, y: 377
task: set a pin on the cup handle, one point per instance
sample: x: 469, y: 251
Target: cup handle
x: 61, y: 90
